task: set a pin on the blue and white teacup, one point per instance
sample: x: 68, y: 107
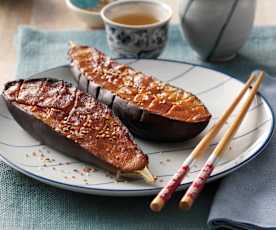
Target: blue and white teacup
x: 137, y: 41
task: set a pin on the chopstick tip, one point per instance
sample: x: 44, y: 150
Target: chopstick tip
x: 185, y: 203
x: 258, y: 74
x: 157, y: 204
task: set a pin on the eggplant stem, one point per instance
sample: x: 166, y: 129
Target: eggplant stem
x: 144, y: 173
x: 118, y: 176
x: 147, y: 175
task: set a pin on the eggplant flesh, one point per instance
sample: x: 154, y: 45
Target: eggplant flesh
x: 49, y: 137
x: 142, y: 122
x: 131, y: 164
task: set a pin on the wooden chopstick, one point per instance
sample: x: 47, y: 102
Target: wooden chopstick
x: 165, y: 194
x: 199, y: 182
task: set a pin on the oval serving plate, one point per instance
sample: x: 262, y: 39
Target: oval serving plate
x: 215, y: 89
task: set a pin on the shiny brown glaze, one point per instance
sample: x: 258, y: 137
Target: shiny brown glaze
x: 79, y: 117
x: 138, y: 88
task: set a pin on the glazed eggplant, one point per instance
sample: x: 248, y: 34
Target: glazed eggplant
x: 151, y: 109
x: 73, y: 122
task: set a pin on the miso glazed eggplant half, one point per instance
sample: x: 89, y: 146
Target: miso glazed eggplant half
x: 73, y: 122
x: 151, y: 109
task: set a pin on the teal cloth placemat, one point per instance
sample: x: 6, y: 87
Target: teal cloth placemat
x: 40, y: 50
x: 28, y: 204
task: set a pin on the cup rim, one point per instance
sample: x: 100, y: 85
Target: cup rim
x: 74, y: 7
x: 156, y: 2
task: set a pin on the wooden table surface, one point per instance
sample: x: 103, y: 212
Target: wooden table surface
x: 53, y: 14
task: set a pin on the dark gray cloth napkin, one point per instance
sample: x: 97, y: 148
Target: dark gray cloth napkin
x: 245, y: 199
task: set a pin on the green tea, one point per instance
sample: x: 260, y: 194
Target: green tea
x: 135, y: 19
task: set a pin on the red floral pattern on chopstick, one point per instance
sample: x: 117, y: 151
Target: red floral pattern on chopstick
x: 174, y: 182
x: 199, y: 182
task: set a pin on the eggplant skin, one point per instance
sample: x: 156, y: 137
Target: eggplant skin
x: 48, y: 136
x: 163, y: 129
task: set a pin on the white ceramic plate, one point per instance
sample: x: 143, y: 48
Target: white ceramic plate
x: 215, y: 89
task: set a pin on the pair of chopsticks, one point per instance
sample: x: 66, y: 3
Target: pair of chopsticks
x: 193, y: 191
